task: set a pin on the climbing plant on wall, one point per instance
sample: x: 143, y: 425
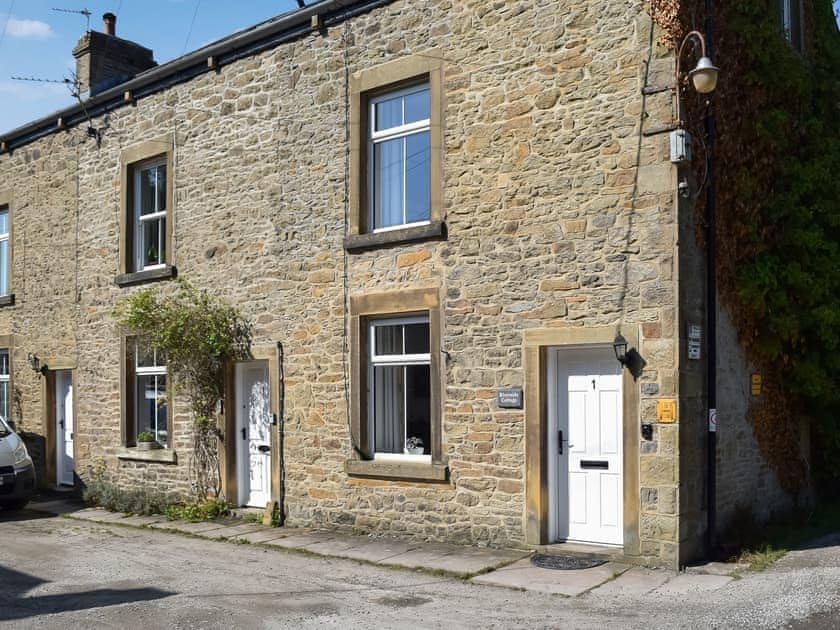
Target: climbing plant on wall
x: 198, y: 335
x: 777, y: 168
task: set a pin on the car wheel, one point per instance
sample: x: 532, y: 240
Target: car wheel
x: 13, y: 506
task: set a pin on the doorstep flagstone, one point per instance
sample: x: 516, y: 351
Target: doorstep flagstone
x: 524, y: 575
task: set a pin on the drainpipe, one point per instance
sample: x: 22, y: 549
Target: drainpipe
x: 711, y: 314
x: 281, y: 425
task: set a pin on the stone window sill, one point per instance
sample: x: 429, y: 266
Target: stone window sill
x: 160, y: 455
x: 412, y: 471
x: 149, y: 275
x: 7, y: 300
x: 436, y: 230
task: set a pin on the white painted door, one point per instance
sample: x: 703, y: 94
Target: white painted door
x: 587, y: 438
x: 253, y: 433
x: 65, y: 460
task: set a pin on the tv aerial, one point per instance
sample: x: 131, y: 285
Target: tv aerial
x: 84, y: 12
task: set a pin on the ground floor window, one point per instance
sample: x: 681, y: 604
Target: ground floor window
x: 150, y: 400
x: 399, y: 401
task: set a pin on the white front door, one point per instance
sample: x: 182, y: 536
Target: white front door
x: 585, y: 408
x: 253, y: 424
x: 65, y: 461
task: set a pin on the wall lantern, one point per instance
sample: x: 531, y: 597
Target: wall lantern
x: 705, y: 74
x: 620, y: 348
x: 35, y: 364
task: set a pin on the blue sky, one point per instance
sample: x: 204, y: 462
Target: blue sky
x: 37, y: 41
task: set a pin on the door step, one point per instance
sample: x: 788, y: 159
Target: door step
x: 602, y: 552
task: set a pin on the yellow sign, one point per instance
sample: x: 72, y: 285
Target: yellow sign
x: 756, y: 384
x: 666, y: 411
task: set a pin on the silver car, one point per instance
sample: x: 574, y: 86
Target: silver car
x: 17, y: 473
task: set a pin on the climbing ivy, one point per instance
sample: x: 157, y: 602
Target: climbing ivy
x: 777, y: 170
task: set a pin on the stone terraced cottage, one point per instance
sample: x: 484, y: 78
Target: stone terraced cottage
x: 438, y: 216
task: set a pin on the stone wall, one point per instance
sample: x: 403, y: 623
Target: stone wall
x: 559, y: 214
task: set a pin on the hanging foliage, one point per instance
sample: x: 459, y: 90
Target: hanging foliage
x: 777, y: 157
x: 198, y: 335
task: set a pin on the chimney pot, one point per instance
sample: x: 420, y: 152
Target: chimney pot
x: 109, y: 21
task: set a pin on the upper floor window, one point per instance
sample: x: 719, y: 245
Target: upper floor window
x: 399, y: 156
x: 792, y: 22
x: 4, y: 250
x: 149, y: 217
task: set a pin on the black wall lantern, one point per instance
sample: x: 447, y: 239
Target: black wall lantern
x: 35, y: 364
x: 620, y: 347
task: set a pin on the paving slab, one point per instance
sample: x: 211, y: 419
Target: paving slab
x: 717, y: 568
x: 231, y: 531
x: 142, y: 521
x: 296, y: 541
x: 455, y: 560
x: 332, y: 547
x: 524, y: 575
x: 632, y: 583
x: 377, y: 551
x: 187, y: 527
x: 96, y: 514
x: 264, y: 535
x: 691, y: 583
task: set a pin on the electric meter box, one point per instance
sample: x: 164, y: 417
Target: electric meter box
x: 680, y: 146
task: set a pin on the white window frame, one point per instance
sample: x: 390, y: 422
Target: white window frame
x: 154, y: 370
x: 787, y: 7
x: 139, y: 220
x: 394, y: 359
x: 392, y: 133
x: 6, y: 377
x: 5, y: 260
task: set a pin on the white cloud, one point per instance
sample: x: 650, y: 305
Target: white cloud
x: 28, y: 29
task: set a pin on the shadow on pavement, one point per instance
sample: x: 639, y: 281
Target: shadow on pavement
x: 14, y: 584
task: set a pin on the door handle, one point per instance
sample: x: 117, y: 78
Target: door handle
x: 244, y: 434
x: 560, y: 442
x: 61, y: 423
x: 263, y: 448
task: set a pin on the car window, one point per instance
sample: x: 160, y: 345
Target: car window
x: 4, y: 428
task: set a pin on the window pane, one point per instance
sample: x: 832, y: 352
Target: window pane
x: 417, y: 106
x: 388, y: 183
x: 388, y: 113
x: 151, y: 406
x: 417, y: 338
x: 389, y: 339
x: 148, y: 178
x: 4, y: 362
x: 4, y: 222
x: 161, y: 187
x: 152, y: 242
x: 418, y: 405
x: 4, y: 267
x: 145, y: 354
x: 417, y: 178
x: 389, y: 408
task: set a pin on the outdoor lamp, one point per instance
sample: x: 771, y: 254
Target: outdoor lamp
x: 704, y: 75
x: 620, y: 348
x: 35, y: 364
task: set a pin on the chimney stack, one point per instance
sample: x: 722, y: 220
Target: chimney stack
x: 104, y: 60
x: 109, y: 21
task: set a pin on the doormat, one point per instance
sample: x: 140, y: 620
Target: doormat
x: 565, y: 563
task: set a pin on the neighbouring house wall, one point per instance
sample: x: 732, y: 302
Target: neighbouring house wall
x: 558, y: 213
x: 745, y: 482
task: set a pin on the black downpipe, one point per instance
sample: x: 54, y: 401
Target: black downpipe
x: 711, y: 312
x: 281, y: 434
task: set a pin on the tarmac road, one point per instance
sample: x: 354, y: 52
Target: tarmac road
x: 62, y: 573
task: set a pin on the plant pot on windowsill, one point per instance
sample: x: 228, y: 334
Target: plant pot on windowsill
x: 413, y: 446
x: 146, y: 442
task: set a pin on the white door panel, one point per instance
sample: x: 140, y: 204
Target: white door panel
x: 587, y: 475
x: 253, y: 434
x: 64, y: 430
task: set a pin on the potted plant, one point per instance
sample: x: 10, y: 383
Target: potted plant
x: 146, y: 441
x: 414, y: 446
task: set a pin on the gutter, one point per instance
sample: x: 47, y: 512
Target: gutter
x: 257, y: 39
